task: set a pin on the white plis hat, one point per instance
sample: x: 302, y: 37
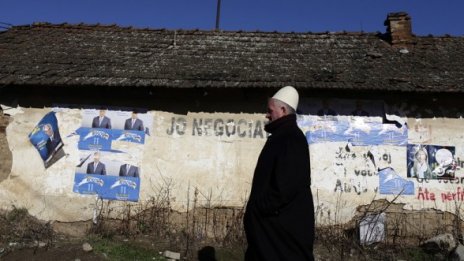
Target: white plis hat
x: 289, y: 95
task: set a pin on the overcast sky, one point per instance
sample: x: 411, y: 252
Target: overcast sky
x: 428, y: 17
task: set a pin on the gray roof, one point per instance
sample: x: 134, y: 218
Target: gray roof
x: 96, y: 55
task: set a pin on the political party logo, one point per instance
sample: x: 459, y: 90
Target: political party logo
x: 130, y: 136
x: 88, y: 184
x: 96, y: 133
x: 94, y: 139
x: 93, y: 180
x: 124, y: 182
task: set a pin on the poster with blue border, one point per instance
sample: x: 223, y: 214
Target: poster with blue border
x: 106, y: 166
x: 101, y: 139
x: 107, y: 187
x: 47, y: 140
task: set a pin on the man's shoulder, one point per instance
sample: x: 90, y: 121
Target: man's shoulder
x: 296, y: 132
x: 293, y: 135
x: 296, y: 136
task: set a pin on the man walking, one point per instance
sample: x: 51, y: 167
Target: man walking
x: 279, y: 217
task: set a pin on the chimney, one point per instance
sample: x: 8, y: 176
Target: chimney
x: 399, y: 32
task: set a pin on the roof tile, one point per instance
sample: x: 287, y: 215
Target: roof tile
x: 73, y: 55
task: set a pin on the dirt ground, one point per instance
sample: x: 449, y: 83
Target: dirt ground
x: 63, y: 252
x: 73, y: 250
x: 22, y: 237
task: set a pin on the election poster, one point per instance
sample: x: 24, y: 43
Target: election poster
x: 111, y: 145
x: 431, y: 161
x: 46, y: 139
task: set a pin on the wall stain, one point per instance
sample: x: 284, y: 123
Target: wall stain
x: 6, y: 157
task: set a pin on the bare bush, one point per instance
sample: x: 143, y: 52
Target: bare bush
x: 17, y: 225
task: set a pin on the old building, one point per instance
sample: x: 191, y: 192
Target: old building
x: 204, y: 93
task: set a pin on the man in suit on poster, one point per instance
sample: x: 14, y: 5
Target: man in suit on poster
x: 96, y: 167
x: 101, y: 121
x: 127, y: 170
x: 134, y: 123
x: 53, y: 141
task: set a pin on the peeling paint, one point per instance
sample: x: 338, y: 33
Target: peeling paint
x: 220, y: 166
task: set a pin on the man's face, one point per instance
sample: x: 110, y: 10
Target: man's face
x: 102, y: 113
x: 96, y: 157
x: 48, y: 130
x: 274, y: 111
x: 134, y: 115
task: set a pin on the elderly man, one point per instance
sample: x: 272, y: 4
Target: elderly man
x: 279, y: 217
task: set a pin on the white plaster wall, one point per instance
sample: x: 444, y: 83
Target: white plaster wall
x: 220, y: 167
x: 46, y: 193
x: 337, y: 206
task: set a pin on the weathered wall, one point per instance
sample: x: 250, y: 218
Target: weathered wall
x: 214, y: 153
x: 346, y: 177
x: 218, y: 159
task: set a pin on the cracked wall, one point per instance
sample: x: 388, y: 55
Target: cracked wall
x: 212, y: 153
x: 216, y: 153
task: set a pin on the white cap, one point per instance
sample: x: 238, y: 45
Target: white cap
x: 289, y: 95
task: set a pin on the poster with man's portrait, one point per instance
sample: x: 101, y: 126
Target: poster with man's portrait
x: 105, y: 174
x: 111, y: 145
x: 46, y: 139
x: 100, y: 127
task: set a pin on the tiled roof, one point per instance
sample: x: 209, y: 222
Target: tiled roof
x: 74, y: 55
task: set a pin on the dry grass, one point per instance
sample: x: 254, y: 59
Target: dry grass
x: 202, y: 225
x: 18, y: 227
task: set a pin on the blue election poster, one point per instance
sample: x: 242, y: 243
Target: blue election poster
x: 46, y: 139
x: 390, y: 183
x: 107, y: 187
x: 109, y: 167
x: 101, y: 139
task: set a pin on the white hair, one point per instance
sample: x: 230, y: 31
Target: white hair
x: 288, y: 108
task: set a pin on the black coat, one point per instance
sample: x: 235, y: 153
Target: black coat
x: 279, y: 217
